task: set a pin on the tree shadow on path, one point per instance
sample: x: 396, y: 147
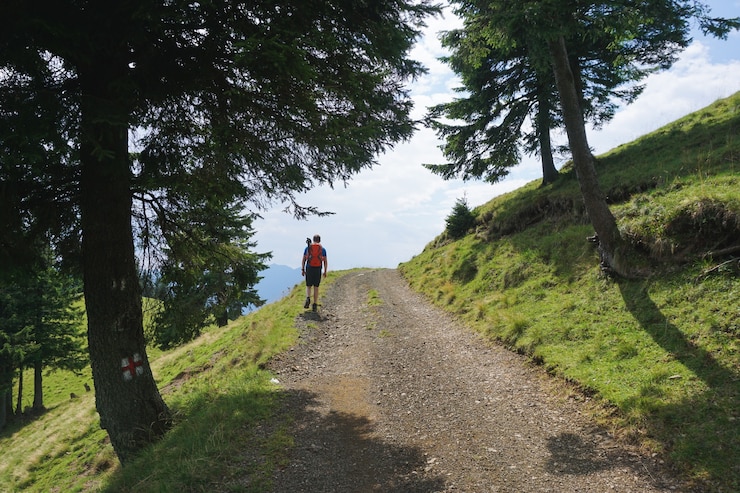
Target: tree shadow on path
x: 338, y: 451
x: 571, y: 454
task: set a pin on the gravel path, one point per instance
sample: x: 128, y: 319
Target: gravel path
x: 399, y: 397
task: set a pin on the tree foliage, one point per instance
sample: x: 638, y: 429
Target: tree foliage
x: 58, y: 330
x: 40, y: 327
x: 234, y: 105
x: 486, y: 131
x: 592, y: 48
x: 510, y: 101
x: 206, y: 275
x: 15, y: 344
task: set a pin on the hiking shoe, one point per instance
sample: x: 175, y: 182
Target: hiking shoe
x: 315, y: 307
x: 307, y: 303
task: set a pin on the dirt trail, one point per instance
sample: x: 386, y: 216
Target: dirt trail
x: 400, y: 398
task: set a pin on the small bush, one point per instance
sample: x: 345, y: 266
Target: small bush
x: 459, y: 222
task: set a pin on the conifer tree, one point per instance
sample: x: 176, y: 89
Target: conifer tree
x: 235, y: 103
x: 460, y: 220
x: 57, y: 326
x: 590, y: 48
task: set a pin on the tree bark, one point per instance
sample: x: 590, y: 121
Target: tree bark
x: 549, y: 172
x: 610, y: 242
x: 3, y: 408
x: 6, y: 396
x: 19, y: 400
x: 38, y: 391
x: 127, y: 399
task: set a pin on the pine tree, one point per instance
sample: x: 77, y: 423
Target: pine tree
x: 58, y: 331
x: 592, y: 49
x: 239, y: 103
x: 460, y: 220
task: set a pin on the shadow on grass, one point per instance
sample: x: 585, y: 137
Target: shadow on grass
x: 671, y: 339
x: 16, y: 422
x: 702, y: 432
x: 338, y: 451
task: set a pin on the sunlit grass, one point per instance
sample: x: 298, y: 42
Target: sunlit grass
x: 218, y: 392
x: 373, y: 298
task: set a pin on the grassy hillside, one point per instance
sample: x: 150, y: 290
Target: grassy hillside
x: 661, y: 353
x: 219, y: 395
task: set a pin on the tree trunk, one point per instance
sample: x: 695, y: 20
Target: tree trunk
x: 610, y: 242
x: 38, y: 391
x: 131, y: 409
x: 6, y: 397
x: 222, y: 319
x: 549, y: 172
x: 3, y: 409
x: 8, y: 402
x: 19, y: 401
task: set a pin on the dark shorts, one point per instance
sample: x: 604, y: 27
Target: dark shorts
x: 313, y: 276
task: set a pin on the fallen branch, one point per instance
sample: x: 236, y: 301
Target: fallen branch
x: 717, y: 267
x: 724, y: 251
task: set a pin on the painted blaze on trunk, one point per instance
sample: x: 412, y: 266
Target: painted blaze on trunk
x: 127, y: 399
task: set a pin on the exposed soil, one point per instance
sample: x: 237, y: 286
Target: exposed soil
x: 400, y: 397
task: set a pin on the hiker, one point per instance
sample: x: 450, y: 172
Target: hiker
x: 314, y: 258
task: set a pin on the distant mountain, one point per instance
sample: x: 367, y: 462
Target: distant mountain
x: 277, y: 281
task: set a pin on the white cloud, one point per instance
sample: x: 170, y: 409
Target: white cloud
x: 691, y: 84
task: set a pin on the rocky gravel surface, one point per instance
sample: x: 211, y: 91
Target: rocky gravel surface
x: 399, y: 397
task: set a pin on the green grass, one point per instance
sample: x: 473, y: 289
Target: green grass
x: 663, y: 353
x: 373, y: 298
x: 224, y: 405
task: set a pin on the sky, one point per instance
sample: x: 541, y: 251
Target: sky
x: 388, y: 214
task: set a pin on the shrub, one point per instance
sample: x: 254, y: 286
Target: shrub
x: 459, y: 222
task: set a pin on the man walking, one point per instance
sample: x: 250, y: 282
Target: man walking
x: 314, y: 258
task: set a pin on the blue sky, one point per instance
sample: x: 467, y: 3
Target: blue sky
x: 386, y: 215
